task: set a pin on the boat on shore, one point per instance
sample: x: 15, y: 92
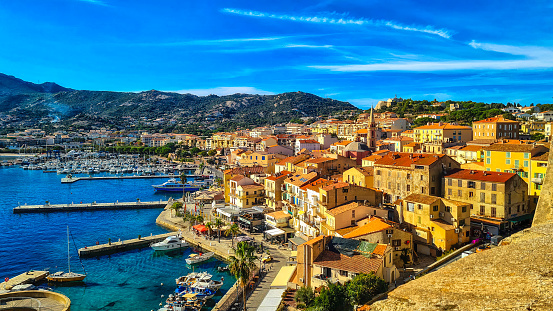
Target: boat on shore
x: 172, y: 185
x: 170, y: 243
x: 197, y: 258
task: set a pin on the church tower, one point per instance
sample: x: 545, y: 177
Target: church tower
x: 371, y: 132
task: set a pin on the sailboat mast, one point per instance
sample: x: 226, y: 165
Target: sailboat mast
x: 68, y: 257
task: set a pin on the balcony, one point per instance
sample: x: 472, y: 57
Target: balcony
x: 537, y: 180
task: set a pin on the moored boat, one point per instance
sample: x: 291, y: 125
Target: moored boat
x: 173, y: 185
x: 197, y: 258
x: 170, y: 243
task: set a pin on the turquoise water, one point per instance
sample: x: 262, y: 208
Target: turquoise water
x: 124, y: 281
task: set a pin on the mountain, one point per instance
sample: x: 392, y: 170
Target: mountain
x: 31, y: 104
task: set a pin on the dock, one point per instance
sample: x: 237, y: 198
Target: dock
x: 121, y: 246
x: 79, y: 207
x: 69, y: 180
x: 24, y: 278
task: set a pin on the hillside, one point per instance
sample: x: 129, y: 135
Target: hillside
x: 43, y: 103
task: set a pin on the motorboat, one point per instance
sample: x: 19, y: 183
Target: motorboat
x: 197, y: 258
x: 199, y: 292
x: 172, y: 185
x: 193, y: 277
x: 170, y: 243
x: 211, y: 284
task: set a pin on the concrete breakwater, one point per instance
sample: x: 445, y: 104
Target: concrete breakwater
x: 49, y: 208
x: 121, y: 246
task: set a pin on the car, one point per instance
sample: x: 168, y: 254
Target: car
x: 483, y: 247
x: 267, y: 258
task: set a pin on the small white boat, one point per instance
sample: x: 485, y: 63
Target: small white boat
x: 197, y: 258
x: 192, y: 278
x: 170, y: 243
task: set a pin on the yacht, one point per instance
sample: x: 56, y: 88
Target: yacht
x: 170, y: 243
x: 197, y: 258
x: 174, y: 186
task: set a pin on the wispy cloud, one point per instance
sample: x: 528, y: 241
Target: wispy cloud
x: 225, y: 90
x: 308, y: 46
x: 98, y: 2
x: 533, y: 58
x: 444, y: 33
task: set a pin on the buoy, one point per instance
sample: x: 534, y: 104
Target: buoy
x: 161, y: 284
x: 6, y: 279
x: 162, y: 296
x: 160, y: 304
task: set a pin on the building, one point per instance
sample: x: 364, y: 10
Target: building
x: 495, y: 128
x: 361, y: 176
x: 400, y: 174
x: 273, y: 190
x: 260, y: 158
x: 538, y: 169
x: 245, y: 193
x: 356, y: 151
x: 442, y: 132
x: 244, y: 171
x: 496, y: 197
x: 335, y: 259
x: 306, y: 144
x: 436, y: 223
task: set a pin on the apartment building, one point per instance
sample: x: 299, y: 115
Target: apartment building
x: 361, y: 176
x: 400, y: 174
x: 273, y: 190
x: 245, y: 193
x: 495, y: 128
x: 442, y: 132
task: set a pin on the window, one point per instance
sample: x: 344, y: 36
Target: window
x: 353, y: 214
x: 435, y: 208
x: 471, y: 184
x: 464, y: 209
x: 432, y: 190
x: 422, y: 177
x: 507, y: 154
x: 459, y: 193
x: 517, y: 162
x: 482, y: 197
x: 482, y: 210
x: 488, y: 161
x: 377, y: 172
x: 461, y: 223
x: 422, y: 190
x: 449, y: 191
x: 471, y: 194
x: 494, y: 198
x: 526, y: 155
x: 353, y: 222
x: 488, y: 153
x: 263, y: 158
x: 483, y: 186
x: 396, y: 243
x: 419, y: 219
x: 343, y: 273
x: 494, y: 187
x: 408, y: 176
x: 508, y: 198
x: 419, y: 206
x: 508, y: 161
x: 408, y: 187
x: 459, y: 183
x: 448, y: 209
x: 410, y: 207
x: 525, y: 163
x: 433, y: 178
x: 493, y: 212
x: 450, y: 182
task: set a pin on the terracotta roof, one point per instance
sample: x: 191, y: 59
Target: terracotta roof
x: 245, y: 170
x: 341, y: 143
x: 408, y: 159
x: 355, y: 263
x: 375, y: 224
x: 472, y: 148
x: 281, y: 175
x: 279, y: 215
x: 444, y: 225
x: 543, y: 156
x: 336, y: 186
x: 453, y: 202
x: 347, y: 230
x: 380, y: 249
x: 315, y: 185
x: 308, y: 141
x: 421, y: 198
x: 495, y: 120
x: 319, y: 160
x: 301, y: 179
x: 313, y: 241
x: 480, y: 175
x: 343, y: 208
x: 510, y: 147
x: 251, y: 186
x: 238, y: 178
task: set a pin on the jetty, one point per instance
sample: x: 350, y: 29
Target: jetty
x: 24, y: 278
x: 69, y: 180
x: 121, y: 246
x: 79, y: 207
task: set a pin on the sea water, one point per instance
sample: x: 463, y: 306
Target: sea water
x: 124, y: 281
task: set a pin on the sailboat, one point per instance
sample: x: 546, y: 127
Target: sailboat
x: 69, y: 276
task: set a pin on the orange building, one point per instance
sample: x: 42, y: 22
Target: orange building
x: 495, y: 128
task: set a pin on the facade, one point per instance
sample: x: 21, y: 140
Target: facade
x: 495, y: 128
x: 307, y: 144
x: 361, y: 176
x: 273, y: 190
x: 442, y: 132
x: 436, y: 222
x: 245, y: 193
x: 400, y: 174
x: 538, y: 169
x: 260, y: 158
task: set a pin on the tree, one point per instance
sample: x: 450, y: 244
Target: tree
x: 209, y: 225
x: 333, y: 297
x: 405, y: 256
x: 305, y: 295
x: 176, y: 207
x: 364, y: 287
x: 212, y: 153
x: 183, y: 181
x: 219, y: 224
x: 232, y: 230
x: 537, y: 136
x: 242, y: 264
x: 423, y: 121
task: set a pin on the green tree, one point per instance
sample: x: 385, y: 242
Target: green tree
x: 183, y: 181
x: 305, y: 295
x: 218, y: 224
x: 364, y: 287
x: 212, y: 153
x: 537, y: 136
x: 176, y: 207
x: 423, y: 121
x: 233, y: 230
x: 209, y: 225
x: 333, y: 297
x: 188, y: 218
x: 242, y: 265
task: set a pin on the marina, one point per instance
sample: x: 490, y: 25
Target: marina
x: 80, y: 207
x: 121, y: 246
x: 29, y: 277
x: 68, y: 180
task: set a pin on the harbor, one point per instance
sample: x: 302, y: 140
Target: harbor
x: 29, y: 277
x: 121, y: 246
x: 80, y: 207
x: 71, y: 179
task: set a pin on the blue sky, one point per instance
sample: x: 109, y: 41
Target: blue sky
x: 357, y: 51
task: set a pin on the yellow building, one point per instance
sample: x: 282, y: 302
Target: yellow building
x: 260, y: 158
x: 538, y: 169
x: 361, y: 176
x: 495, y: 128
x: 245, y: 193
x: 442, y: 132
x: 273, y: 190
x: 245, y: 171
x: 436, y: 222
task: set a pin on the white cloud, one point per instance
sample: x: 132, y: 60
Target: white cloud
x: 534, y: 58
x: 225, y: 90
x: 308, y: 46
x: 444, y: 33
x: 98, y: 2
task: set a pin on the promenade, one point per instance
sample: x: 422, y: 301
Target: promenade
x: 223, y: 249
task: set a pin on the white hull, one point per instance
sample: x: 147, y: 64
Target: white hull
x: 199, y: 258
x: 170, y: 243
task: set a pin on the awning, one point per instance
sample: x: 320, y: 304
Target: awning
x: 271, y: 300
x: 229, y: 212
x: 274, y: 232
x: 297, y: 240
x: 200, y: 228
x: 283, y: 276
x: 521, y: 218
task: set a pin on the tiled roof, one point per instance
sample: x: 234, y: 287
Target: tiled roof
x: 495, y: 120
x: 408, y: 159
x: 279, y: 215
x: 543, y: 156
x: 301, y: 179
x: 313, y: 241
x: 355, y: 263
x: 444, y: 126
x: 444, y: 225
x: 380, y: 249
x: 375, y: 224
x: 343, y: 208
x: 480, y: 175
x: 281, y: 175
x: 510, y: 147
x: 245, y: 170
x: 421, y: 198
x: 252, y: 186
x: 345, y: 231
x: 336, y: 186
x: 237, y: 178
x: 315, y: 185
x: 319, y: 160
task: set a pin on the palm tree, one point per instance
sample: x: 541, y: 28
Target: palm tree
x: 242, y: 265
x: 183, y: 180
x: 219, y: 224
x: 232, y: 230
x: 199, y: 218
x: 188, y: 218
x: 209, y: 225
x: 176, y: 207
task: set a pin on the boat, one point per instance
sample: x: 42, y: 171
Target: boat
x: 192, y: 278
x: 199, y: 292
x: 69, y: 276
x: 172, y: 185
x: 223, y: 268
x: 186, y: 302
x: 170, y: 243
x: 197, y: 258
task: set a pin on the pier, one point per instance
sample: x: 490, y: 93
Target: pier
x: 69, y: 180
x: 121, y: 246
x: 79, y: 207
x: 24, y: 278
